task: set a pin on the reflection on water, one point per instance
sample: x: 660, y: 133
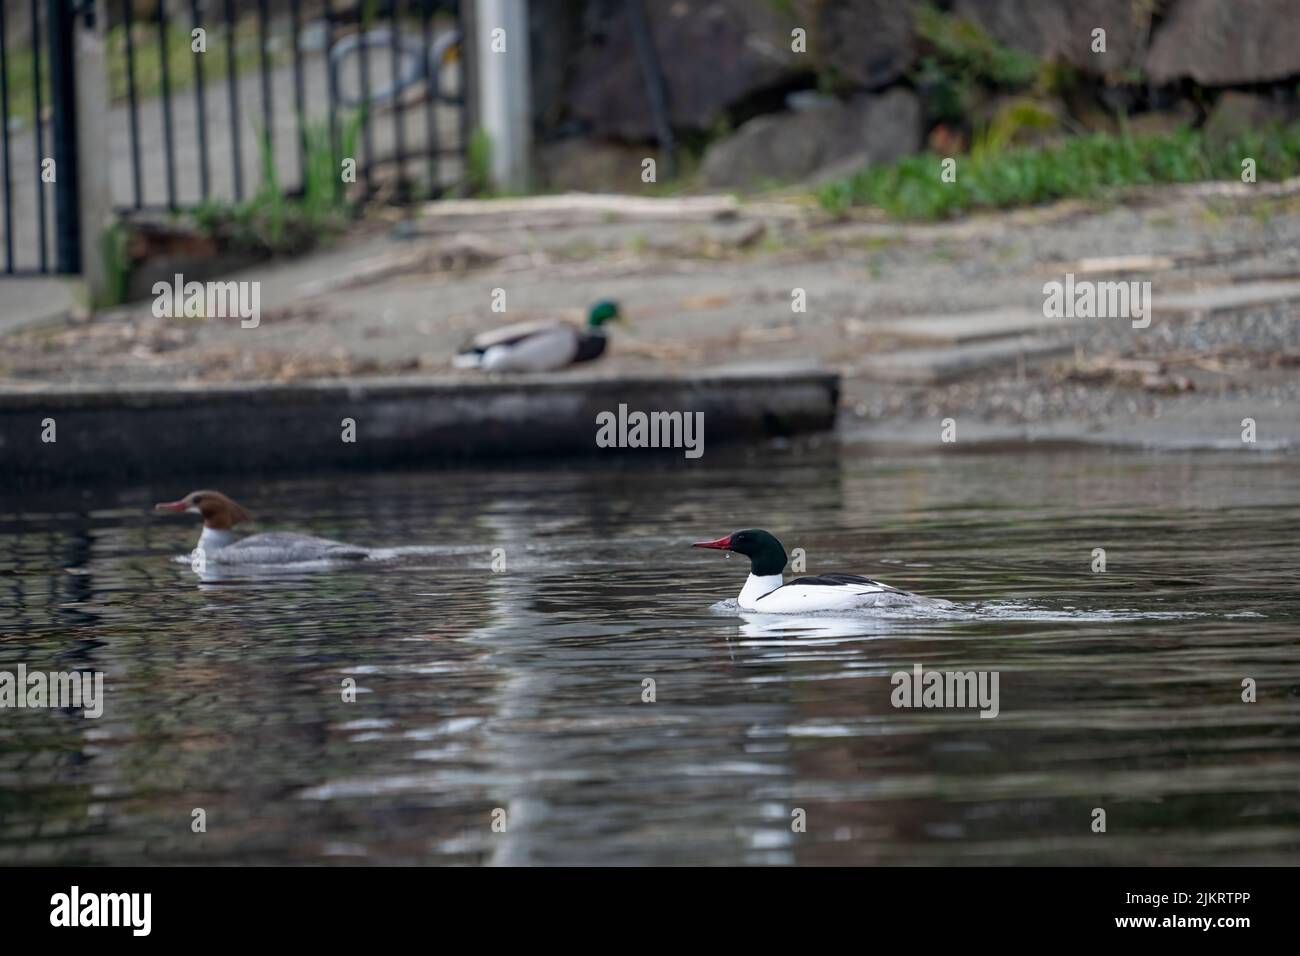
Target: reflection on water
x: 523, y: 690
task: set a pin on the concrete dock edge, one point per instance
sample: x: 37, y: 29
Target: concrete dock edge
x: 128, y: 432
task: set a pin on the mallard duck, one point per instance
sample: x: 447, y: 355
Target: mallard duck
x: 539, y: 346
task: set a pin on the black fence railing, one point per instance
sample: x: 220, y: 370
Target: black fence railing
x: 25, y: 65
x: 378, y: 82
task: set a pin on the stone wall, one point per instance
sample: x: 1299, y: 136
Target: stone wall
x: 733, y: 80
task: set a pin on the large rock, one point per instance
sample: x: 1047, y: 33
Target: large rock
x: 1236, y: 114
x: 554, y: 32
x: 1061, y: 30
x: 795, y: 146
x: 713, y: 54
x: 772, y: 149
x: 888, y: 126
x: 1162, y: 122
x: 583, y: 165
x: 1222, y: 44
x: 863, y: 44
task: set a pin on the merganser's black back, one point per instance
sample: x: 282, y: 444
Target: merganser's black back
x: 835, y: 578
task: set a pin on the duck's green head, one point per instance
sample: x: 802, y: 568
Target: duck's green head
x: 603, y: 311
x: 766, y: 556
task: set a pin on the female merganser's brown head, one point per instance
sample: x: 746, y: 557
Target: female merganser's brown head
x: 219, y: 512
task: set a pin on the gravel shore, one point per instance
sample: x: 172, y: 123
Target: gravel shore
x: 717, y: 290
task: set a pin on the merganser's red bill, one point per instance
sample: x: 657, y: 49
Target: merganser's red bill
x: 171, y: 505
x: 722, y: 544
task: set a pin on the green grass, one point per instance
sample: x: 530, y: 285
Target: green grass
x: 962, y: 48
x: 275, y: 224
x: 148, y: 63
x: 1079, y: 167
x: 117, y: 264
x: 959, y: 63
x: 478, y: 166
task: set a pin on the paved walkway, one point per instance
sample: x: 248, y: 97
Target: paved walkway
x: 30, y: 302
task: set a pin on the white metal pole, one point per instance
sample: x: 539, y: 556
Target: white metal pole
x: 94, y: 184
x: 505, y: 94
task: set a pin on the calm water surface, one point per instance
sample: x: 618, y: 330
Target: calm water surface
x: 522, y: 690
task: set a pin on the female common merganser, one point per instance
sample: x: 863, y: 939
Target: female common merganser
x: 766, y: 590
x: 539, y: 346
x: 218, y: 542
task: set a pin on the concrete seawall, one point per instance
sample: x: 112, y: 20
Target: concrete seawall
x: 130, y: 432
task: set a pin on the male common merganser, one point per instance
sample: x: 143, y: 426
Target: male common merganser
x: 766, y: 589
x: 218, y: 542
x: 539, y: 346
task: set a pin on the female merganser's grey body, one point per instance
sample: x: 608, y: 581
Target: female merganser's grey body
x: 766, y: 588
x: 218, y: 542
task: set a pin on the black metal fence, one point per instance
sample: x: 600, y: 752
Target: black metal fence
x: 213, y: 100
x: 26, y: 133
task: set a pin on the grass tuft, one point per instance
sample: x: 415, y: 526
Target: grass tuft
x: 1078, y: 167
x: 273, y: 223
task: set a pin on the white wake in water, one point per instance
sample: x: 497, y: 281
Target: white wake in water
x: 931, y: 610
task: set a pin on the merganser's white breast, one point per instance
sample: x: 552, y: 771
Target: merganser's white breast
x: 212, y: 540
x: 828, y: 592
